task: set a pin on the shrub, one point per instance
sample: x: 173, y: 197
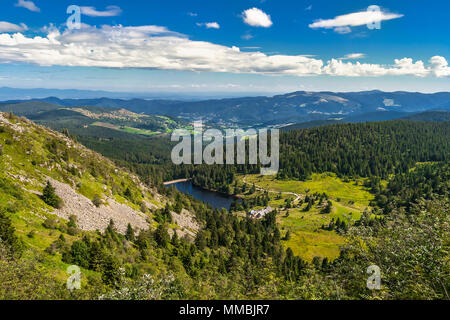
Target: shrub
x: 328, y: 208
x: 50, y: 223
x: 72, y: 231
x: 72, y: 227
x: 97, y: 201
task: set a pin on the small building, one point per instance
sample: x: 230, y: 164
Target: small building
x: 259, y: 214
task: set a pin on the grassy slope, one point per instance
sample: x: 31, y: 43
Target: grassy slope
x: 26, y: 159
x: 307, y: 238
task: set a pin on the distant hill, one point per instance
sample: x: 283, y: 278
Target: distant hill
x: 28, y: 108
x: 293, y: 107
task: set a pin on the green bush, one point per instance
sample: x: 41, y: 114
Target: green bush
x: 97, y: 201
x: 72, y: 228
x: 50, y: 223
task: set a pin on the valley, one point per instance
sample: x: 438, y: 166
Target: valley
x: 110, y: 211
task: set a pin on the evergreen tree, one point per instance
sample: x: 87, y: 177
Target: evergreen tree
x: 162, y: 237
x: 50, y: 197
x: 129, y: 235
x: 7, y: 235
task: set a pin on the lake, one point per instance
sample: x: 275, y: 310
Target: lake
x: 215, y: 199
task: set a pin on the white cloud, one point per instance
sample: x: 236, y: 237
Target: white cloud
x: 156, y: 47
x: 404, y: 66
x: 27, y: 5
x: 11, y: 27
x: 353, y: 56
x: 111, y: 11
x: 353, y: 20
x: 209, y: 25
x: 256, y: 18
x: 439, y: 66
x: 192, y: 14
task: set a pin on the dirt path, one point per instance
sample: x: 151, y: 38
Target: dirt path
x: 298, y: 196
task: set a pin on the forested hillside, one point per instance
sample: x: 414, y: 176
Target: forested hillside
x: 376, y: 149
x: 62, y: 204
x: 368, y: 149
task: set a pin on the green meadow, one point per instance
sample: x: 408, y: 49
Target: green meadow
x: 306, y: 237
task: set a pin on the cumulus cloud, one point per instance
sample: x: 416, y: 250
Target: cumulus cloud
x: 156, y: 47
x: 342, y: 24
x: 11, y: 27
x: 145, y: 47
x: 27, y: 5
x: 257, y: 18
x: 404, y: 66
x: 111, y: 11
x: 439, y: 66
x: 209, y: 25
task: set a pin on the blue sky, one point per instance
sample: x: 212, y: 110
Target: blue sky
x: 219, y: 46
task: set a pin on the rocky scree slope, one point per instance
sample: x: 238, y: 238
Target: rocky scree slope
x: 91, y: 187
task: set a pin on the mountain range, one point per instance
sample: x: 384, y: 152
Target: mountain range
x: 296, y: 107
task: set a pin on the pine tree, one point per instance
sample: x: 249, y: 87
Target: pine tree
x: 162, y: 237
x: 129, y: 235
x: 49, y: 196
x: 7, y: 235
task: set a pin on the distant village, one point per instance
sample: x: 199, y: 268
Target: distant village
x: 259, y: 214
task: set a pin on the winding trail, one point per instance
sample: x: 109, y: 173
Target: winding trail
x: 298, y: 196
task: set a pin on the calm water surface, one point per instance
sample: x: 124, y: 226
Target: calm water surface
x: 215, y: 199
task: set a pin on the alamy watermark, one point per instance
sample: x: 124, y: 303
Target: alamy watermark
x: 74, y: 20
x: 191, y: 149
x: 374, y: 281
x: 376, y: 11
x: 74, y: 279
